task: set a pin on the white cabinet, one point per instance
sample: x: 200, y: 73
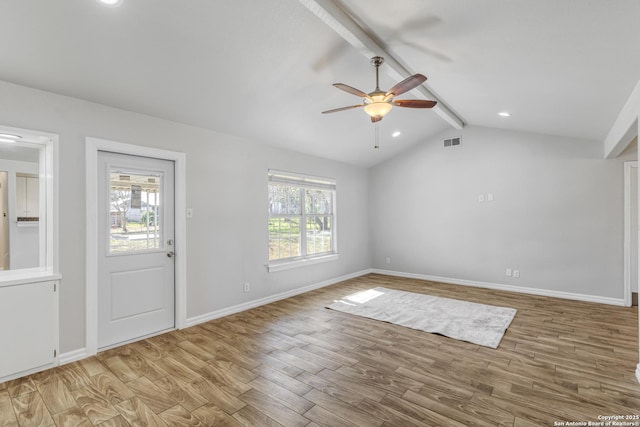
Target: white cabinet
x: 28, y: 328
x: 27, y: 196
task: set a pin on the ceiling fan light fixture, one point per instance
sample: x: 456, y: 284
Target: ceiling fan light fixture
x: 378, y: 108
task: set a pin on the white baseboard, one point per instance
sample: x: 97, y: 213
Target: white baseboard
x: 638, y: 372
x: 510, y: 288
x: 72, y: 356
x: 268, y: 300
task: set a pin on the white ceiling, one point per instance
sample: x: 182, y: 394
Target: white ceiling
x: 263, y: 69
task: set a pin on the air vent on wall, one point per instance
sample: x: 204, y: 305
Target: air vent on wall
x: 452, y: 141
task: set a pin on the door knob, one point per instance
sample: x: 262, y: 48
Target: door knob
x: 171, y: 254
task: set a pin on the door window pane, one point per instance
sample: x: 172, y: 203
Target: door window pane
x: 134, y: 217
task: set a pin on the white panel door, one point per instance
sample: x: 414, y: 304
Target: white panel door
x: 136, y: 284
x: 634, y: 229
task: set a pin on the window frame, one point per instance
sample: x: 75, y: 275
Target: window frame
x: 303, y: 182
x: 48, y: 265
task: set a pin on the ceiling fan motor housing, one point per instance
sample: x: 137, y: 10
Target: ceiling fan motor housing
x: 377, y: 61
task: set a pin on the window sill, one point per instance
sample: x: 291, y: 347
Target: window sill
x: 301, y: 263
x: 26, y: 275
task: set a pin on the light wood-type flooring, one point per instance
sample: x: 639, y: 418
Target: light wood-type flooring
x: 295, y: 363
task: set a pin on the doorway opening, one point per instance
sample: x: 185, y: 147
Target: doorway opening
x: 631, y: 233
x: 4, y: 221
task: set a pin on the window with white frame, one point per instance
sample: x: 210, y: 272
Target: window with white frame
x: 301, y: 216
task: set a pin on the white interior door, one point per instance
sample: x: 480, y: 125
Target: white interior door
x: 136, y: 283
x: 634, y: 228
x: 4, y: 221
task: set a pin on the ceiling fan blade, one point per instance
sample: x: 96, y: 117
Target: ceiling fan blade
x: 407, y: 84
x: 342, y: 108
x: 375, y: 119
x: 414, y: 103
x: 351, y: 90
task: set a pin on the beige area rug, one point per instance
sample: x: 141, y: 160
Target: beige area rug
x: 467, y: 321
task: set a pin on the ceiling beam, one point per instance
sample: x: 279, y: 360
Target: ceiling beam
x: 333, y: 16
x: 625, y: 128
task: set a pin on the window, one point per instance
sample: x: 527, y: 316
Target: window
x: 134, y: 213
x: 301, y: 217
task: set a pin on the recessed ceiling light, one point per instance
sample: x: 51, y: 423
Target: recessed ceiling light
x: 10, y: 136
x: 110, y: 2
x: 396, y: 134
x: 504, y: 114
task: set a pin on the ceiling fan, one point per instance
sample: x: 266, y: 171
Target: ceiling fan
x: 378, y: 103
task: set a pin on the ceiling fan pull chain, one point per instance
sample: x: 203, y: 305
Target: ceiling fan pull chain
x: 377, y: 135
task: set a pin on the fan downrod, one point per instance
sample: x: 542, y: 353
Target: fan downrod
x: 377, y: 61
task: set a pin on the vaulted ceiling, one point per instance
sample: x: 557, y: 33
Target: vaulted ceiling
x: 263, y: 69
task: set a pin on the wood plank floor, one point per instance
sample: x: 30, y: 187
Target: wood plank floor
x: 295, y: 363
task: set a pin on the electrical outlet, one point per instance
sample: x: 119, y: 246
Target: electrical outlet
x: 516, y: 273
x: 247, y: 287
x: 507, y: 272
x: 481, y: 198
x: 388, y: 260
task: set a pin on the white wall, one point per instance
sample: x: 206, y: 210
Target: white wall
x: 227, y: 188
x: 557, y: 216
